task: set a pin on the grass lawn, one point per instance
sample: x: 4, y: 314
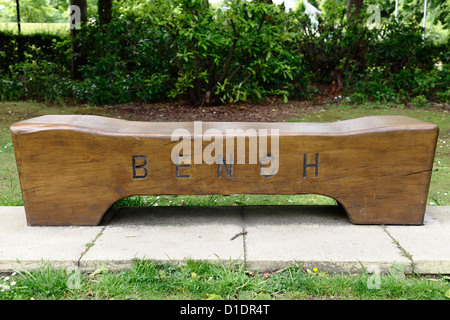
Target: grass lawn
x: 31, y: 28
x: 12, y: 112
x: 231, y: 281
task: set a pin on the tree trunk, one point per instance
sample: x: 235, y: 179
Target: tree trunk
x: 354, y: 8
x: 77, y: 59
x: 20, y: 49
x: 18, y: 15
x: 104, y: 11
x: 356, y: 25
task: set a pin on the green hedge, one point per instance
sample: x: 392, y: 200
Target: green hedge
x: 184, y: 49
x: 16, y: 49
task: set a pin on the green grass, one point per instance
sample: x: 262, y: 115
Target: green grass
x: 225, y: 200
x: 12, y: 112
x: 200, y: 280
x: 32, y: 28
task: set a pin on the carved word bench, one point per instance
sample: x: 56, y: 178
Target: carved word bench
x: 72, y: 168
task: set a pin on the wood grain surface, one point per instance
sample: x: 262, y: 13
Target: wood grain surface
x: 73, y: 168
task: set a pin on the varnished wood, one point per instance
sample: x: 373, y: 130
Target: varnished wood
x: 73, y: 168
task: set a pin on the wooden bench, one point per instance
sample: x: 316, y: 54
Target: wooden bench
x: 72, y: 168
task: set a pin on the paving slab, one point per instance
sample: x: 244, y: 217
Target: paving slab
x: 264, y: 237
x: 167, y: 234
x: 24, y: 247
x: 429, y: 244
x: 316, y: 237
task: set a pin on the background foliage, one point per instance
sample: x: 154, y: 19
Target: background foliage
x: 237, y: 51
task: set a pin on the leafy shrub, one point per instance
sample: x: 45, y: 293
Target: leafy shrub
x: 11, y: 88
x: 187, y: 49
x: 401, y: 46
x: 334, y: 49
x: 382, y: 64
x: 405, y: 85
x: 420, y: 101
x: 125, y: 61
x: 376, y: 88
x: 242, y: 52
x: 15, y: 49
x: 41, y: 81
x: 401, y: 65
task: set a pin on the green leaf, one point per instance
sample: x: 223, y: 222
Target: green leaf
x: 263, y: 296
x: 397, y: 271
x: 447, y: 294
x: 98, y: 271
x: 213, y: 297
x: 195, y: 276
x: 245, y: 295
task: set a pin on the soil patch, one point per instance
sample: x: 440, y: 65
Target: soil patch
x: 273, y: 110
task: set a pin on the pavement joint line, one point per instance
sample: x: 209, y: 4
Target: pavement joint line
x: 91, y: 244
x: 405, y: 253
x: 244, y: 235
x: 105, y: 222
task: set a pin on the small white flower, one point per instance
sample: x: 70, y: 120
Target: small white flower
x: 4, y: 287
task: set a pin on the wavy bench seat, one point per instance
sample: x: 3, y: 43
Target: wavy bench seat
x: 72, y: 168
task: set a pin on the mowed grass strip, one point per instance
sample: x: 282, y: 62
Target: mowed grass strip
x: 227, y: 280
x: 33, y: 28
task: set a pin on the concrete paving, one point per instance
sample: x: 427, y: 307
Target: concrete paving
x: 264, y: 238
